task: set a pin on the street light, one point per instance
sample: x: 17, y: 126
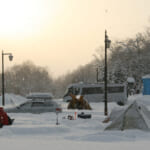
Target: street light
x: 10, y: 56
x: 107, y: 45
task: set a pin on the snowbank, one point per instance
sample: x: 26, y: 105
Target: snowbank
x: 12, y: 99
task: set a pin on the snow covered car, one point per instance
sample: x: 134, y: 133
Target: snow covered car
x: 37, y: 95
x: 35, y: 106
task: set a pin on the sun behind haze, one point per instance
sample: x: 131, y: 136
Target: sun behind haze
x: 63, y: 34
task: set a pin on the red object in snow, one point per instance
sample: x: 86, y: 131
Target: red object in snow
x: 3, y: 117
x: 58, y: 110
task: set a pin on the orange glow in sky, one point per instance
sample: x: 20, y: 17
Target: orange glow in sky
x: 63, y: 34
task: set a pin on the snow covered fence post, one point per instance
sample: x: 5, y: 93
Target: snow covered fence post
x: 58, y: 110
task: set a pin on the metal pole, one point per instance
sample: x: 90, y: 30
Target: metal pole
x: 3, y: 79
x: 105, y: 75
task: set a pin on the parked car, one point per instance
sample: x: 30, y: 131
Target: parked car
x: 34, y: 106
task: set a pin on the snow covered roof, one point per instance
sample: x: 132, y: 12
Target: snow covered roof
x: 40, y: 95
x: 146, y: 76
x: 94, y: 85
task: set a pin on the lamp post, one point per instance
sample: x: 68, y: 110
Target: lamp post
x: 107, y: 45
x: 10, y: 56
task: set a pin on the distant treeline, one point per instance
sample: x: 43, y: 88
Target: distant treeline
x: 126, y: 58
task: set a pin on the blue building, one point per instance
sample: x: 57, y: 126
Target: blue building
x: 146, y: 85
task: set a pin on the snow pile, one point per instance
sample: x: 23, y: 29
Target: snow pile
x: 141, y: 99
x: 130, y: 80
x: 13, y: 100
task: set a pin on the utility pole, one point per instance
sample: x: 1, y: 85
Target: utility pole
x: 3, y: 79
x: 107, y: 45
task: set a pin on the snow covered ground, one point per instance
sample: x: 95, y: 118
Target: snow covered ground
x: 39, y: 131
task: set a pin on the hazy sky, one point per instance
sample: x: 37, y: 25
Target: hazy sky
x: 63, y: 34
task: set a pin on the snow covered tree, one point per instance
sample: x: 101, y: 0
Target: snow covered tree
x: 27, y: 77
